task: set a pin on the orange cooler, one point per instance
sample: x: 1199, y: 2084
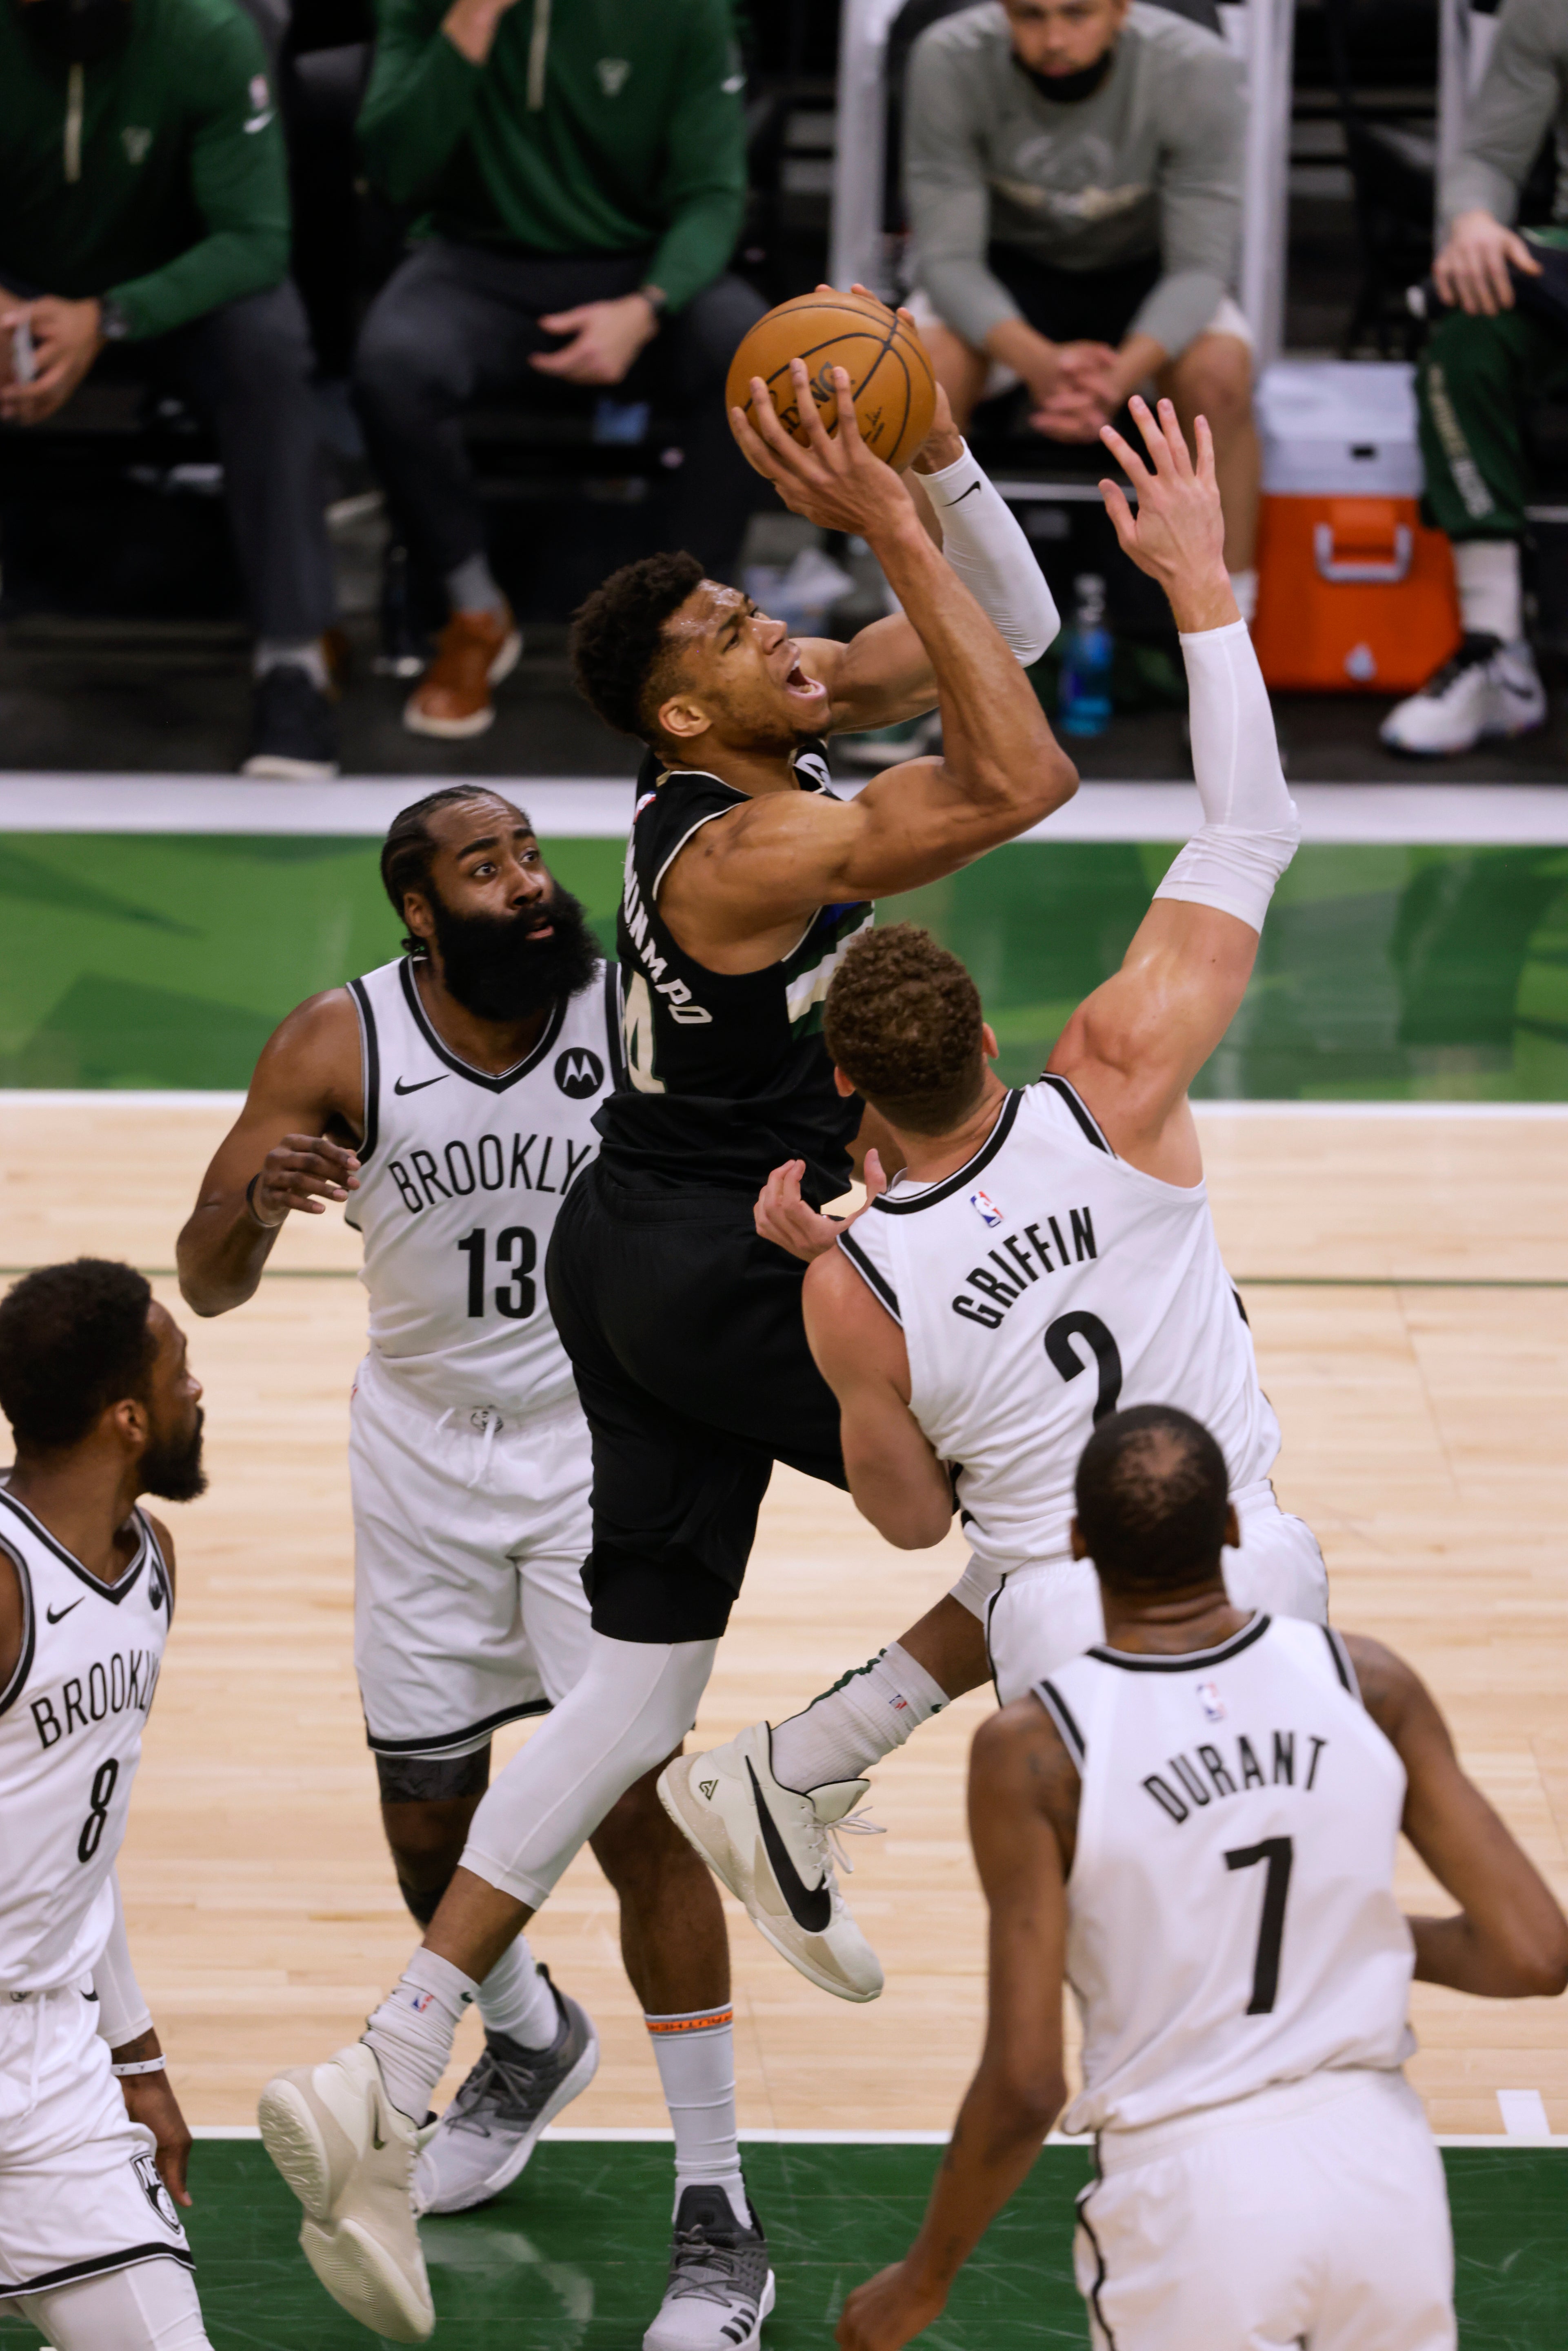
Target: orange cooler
x: 1352, y: 591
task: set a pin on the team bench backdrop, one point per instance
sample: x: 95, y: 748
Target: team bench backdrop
x: 1408, y: 971
x: 562, y: 2261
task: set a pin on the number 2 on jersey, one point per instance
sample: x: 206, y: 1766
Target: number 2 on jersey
x: 1279, y: 1852
x: 518, y: 1300
x: 1107, y: 1355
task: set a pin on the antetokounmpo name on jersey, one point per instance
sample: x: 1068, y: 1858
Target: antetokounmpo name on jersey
x: 1205, y: 1777
x: 684, y: 1006
x: 1013, y: 1267
x: 487, y: 1166
x: 115, y: 1685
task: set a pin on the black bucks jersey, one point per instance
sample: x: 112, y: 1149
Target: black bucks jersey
x: 71, y: 1740
x: 728, y: 1075
x: 461, y: 1176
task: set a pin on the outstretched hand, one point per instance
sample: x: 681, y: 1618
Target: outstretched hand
x: 1178, y: 535
x: 834, y: 479
x: 782, y: 1217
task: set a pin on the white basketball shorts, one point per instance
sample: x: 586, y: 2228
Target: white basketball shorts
x: 80, y: 2191
x: 1314, y: 2212
x: 469, y: 1538
x: 1038, y: 1617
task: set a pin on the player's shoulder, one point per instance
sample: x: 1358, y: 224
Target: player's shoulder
x: 981, y: 32
x: 320, y: 1025
x: 1163, y: 34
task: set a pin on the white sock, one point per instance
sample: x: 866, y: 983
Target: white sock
x: 151, y: 2306
x: 1490, y: 598
x: 853, y: 1726
x: 1244, y: 588
x: 411, y: 2032
x: 516, y: 1999
x: 472, y: 587
x: 278, y: 652
x: 697, y: 2067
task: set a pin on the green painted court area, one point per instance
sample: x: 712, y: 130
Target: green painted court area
x: 1386, y: 973
x: 572, y: 2259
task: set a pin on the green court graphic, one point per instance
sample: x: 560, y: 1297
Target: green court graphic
x: 572, y: 2257
x: 1386, y: 973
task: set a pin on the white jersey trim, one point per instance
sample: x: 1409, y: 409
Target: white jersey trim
x: 462, y: 1069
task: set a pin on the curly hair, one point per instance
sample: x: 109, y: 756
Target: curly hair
x: 409, y: 846
x: 73, y: 1341
x: 621, y: 659
x: 902, y: 1020
x: 1151, y: 1493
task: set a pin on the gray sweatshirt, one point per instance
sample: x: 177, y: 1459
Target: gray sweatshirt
x: 1150, y: 163
x: 1522, y: 92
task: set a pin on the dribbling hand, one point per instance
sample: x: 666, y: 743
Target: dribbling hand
x: 1178, y: 535
x: 303, y: 1171
x: 835, y: 480
x: 782, y: 1217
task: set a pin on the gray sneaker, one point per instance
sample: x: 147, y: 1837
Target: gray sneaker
x: 720, y: 2288
x: 490, y: 2130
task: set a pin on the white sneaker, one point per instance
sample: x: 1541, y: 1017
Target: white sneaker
x: 491, y: 2126
x: 771, y: 1846
x: 720, y: 2288
x: 348, y: 2154
x: 1486, y: 690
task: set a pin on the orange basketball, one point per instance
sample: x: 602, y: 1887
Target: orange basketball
x: 890, y: 382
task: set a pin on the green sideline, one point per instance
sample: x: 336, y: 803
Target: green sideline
x: 571, y: 2258
x: 1402, y: 972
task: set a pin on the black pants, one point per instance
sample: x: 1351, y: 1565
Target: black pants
x: 457, y: 323
x: 690, y: 1354
x: 1076, y: 306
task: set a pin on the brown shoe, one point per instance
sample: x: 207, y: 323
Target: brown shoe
x: 475, y: 652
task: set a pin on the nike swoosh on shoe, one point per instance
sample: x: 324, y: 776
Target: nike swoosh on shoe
x: 810, y: 1907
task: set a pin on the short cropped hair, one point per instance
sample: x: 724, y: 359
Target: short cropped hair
x: 73, y: 1341
x: 1152, y: 1493
x: 623, y: 662
x: 901, y: 1020
x: 409, y: 846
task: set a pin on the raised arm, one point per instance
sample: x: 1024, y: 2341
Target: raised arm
x: 1509, y: 1937
x: 1134, y: 1046
x: 291, y: 1147
x: 895, y: 1477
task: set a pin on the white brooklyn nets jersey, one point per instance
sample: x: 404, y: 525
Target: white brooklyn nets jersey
x: 1044, y: 1285
x: 461, y: 1177
x: 71, y: 1740
x: 1232, y: 1919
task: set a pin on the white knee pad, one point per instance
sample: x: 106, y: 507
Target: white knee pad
x: 633, y: 1706
x: 151, y: 2306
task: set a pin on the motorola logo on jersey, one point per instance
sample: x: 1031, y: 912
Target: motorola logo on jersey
x: 579, y: 1073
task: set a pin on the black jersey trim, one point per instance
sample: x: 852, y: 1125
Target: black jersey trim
x: 690, y: 833
x: 1062, y: 1714
x: 982, y: 1159
x: 160, y: 1562
x: 1079, y: 1107
x: 18, y: 1681
x: 613, y: 1027
x: 1342, y: 1663
x: 371, y: 1062
x: 509, y: 1078
x: 449, y: 1740
x: 1194, y: 1658
x: 114, y: 1593
x: 1101, y: 2272
x: 881, y: 1288
x: 100, y: 2265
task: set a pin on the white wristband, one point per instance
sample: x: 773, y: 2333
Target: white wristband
x: 141, y: 2066
x: 983, y: 542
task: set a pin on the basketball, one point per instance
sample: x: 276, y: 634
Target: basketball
x: 891, y: 380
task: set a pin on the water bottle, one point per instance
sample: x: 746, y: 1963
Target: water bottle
x: 1083, y: 688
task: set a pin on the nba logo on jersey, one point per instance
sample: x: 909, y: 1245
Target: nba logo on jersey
x: 986, y: 1209
x: 1208, y: 1697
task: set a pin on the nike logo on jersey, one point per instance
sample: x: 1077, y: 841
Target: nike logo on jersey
x: 419, y: 1085
x: 57, y: 1616
x: 811, y: 1908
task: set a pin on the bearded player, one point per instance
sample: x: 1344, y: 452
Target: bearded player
x: 744, y: 879
x: 104, y: 1409
x: 447, y: 1100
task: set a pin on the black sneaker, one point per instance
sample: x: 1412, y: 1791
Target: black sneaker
x: 293, y: 731
x: 721, y: 2287
x: 491, y: 2128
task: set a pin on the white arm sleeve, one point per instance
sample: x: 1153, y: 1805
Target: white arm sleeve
x: 982, y: 541
x: 122, y: 2015
x: 1251, y: 827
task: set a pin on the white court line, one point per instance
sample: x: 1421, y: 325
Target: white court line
x: 1496, y: 2139
x: 1524, y: 2114
x: 600, y: 807
x: 17, y: 1098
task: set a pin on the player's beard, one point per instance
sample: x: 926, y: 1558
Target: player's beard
x: 499, y: 970
x: 171, y: 1467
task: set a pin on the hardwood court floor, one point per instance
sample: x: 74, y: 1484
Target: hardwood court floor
x: 1424, y: 1428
